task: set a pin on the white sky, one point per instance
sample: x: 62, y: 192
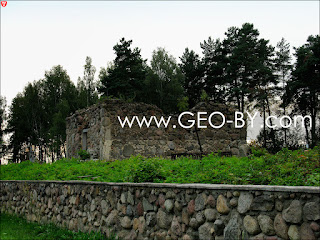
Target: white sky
x: 38, y: 35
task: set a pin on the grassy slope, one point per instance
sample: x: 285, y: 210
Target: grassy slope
x: 285, y: 168
x: 12, y: 227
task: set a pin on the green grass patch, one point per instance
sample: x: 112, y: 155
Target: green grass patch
x: 290, y: 168
x: 13, y: 227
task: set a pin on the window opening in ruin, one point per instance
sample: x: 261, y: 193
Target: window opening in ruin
x: 84, y: 139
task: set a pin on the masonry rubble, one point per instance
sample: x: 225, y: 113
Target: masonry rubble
x: 97, y: 130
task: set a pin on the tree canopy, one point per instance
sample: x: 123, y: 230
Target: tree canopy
x: 125, y: 79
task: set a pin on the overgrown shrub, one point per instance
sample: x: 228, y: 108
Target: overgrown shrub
x: 83, y: 154
x: 257, y: 150
x: 147, y: 170
x: 313, y: 179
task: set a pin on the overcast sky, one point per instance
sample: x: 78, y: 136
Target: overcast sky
x: 38, y: 35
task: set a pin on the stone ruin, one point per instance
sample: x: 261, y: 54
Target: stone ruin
x: 98, y: 130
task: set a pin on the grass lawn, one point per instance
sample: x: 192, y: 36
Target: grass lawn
x: 289, y: 168
x: 13, y: 227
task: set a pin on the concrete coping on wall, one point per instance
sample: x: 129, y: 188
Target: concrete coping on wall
x: 195, y: 186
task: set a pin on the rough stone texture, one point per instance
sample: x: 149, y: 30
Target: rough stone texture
x: 266, y: 224
x: 176, y: 227
x: 130, y: 198
x: 185, y: 217
x: 293, y: 214
x: 280, y: 227
x: 311, y: 211
x: 306, y: 232
x: 186, y: 237
x: 222, y: 206
x: 194, y: 223
x: 166, y: 211
x: 131, y: 236
x: 163, y: 219
x: 151, y: 219
x: 112, y: 218
x: 211, y: 202
x: 244, y: 202
x: 139, y: 209
x: 191, y: 207
x: 199, y: 203
x: 218, y: 226
x: 262, y: 203
x: 206, y: 231
x: 279, y: 205
x: 233, y: 229
x: 260, y: 236
x: 315, y: 227
x: 168, y: 204
x: 251, y: 225
x: 126, y: 222
x: 104, y: 137
x: 293, y: 232
x: 244, y: 150
x: 139, y: 224
x: 210, y: 214
x: 234, y: 202
x: 147, y: 207
x: 200, y: 218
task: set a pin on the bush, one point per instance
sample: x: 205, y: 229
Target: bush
x: 147, y: 170
x: 257, y: 150
x: 313, y: 179
x: 83, y: 154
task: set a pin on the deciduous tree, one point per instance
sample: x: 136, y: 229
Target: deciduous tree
x: 165, y: 81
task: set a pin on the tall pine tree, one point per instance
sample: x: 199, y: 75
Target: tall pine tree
x: 125, y: 79
x: 193, y: 71
x: 304, y: 88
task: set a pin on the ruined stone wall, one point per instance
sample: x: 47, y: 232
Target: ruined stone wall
x: 169, y: 211
x: 106, y: 139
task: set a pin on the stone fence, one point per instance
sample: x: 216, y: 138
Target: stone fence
x: 168, y: 211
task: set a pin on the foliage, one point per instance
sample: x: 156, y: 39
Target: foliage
x: 83, y: 154
x: 204, y: 96
x: 313, y: 179
x: 283, y: 61
x: 183, y: 104
x: 248, y: 69
x: 290, y: 168
x: 257, y: 150
x: 270, y: 140
x: 37, y: 115
x: 126, y: 76
x: 193, y: 70
x: 86, y: 86
x: 14, y: 227
x: 27, y: 121
x: 146, y: 170
x: 163, y: 84
x: 2, y: 121
x: 292, y: 139
x: 303, y: 89
x: 214, y: 66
